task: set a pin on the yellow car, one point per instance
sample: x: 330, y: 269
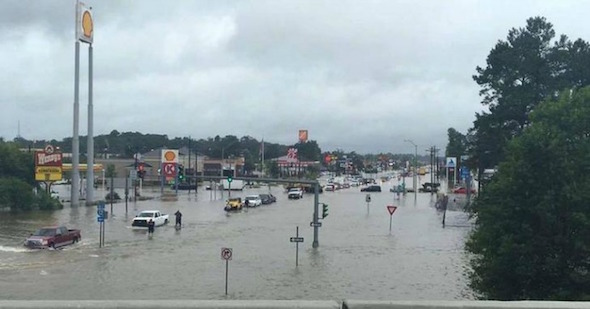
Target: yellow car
x: 233, y: 204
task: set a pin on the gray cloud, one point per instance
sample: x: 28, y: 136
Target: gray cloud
x: 359, y: 75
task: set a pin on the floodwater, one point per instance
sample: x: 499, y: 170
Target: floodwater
x: 358, y: 257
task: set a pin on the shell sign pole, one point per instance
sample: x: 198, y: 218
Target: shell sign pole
x: 84, y: 32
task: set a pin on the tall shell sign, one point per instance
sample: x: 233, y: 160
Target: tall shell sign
x: 84, y: 24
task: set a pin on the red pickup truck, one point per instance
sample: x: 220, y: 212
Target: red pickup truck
x: 52, y: 237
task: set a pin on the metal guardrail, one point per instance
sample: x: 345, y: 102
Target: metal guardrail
x: 286, y: 304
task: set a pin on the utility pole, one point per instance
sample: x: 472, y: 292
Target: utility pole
x: 415, y: 168
x: 189, y: 164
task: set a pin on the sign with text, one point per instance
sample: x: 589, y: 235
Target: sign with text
x: 48, y: 164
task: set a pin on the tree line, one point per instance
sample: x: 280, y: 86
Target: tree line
x: 531, y: 238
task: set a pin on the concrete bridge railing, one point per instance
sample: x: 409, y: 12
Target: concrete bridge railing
x: 286, y: 304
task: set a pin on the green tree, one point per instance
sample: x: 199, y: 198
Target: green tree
x: 457, y: 145
x: 273, y: 169
x: 16, y: 194
x: 110, y: 171
x: 518, y: 76
x: 532, y: 234
x: 309, y: 151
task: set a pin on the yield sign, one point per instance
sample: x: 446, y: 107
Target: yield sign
x: 169, y: 169
x: 391, y: 209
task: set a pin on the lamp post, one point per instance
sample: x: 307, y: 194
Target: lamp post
x: 415, y: 167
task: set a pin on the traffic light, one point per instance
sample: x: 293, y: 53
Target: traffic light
x: 324, y: 210
x: 180, y: 172
x: 229, y: 178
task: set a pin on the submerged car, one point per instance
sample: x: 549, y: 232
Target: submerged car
x: 52, y: 237
x: 373, y: 188
x: 233, y: 204
x: 141, y: 220
x: 267, y: 198
x: 462, y: 190
x: 295, y: 193
x: 253, y: 200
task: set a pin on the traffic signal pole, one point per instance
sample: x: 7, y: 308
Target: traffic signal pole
x: 316, y: 206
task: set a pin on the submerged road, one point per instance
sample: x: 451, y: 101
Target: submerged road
x: 357, y: 259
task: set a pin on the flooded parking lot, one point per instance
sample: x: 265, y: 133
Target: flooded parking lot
x: 357, y: 258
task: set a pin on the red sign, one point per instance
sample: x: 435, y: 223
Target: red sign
x: 328, y: 158
x: 169, y: 169
x: 391, y: 209
x: 48, y: 157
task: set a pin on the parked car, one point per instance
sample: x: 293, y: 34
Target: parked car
x: 253, y: 200
x: 233, y: 204
x: 268, y: 198
x: 295, y: 193
x: 373, y: 188
x: 311, y: 189
x: 462, y: 190
x: 185, y: 186
x: 52, y: 237
x: 142, y: 218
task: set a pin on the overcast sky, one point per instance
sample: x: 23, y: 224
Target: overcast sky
x: 359, y: 75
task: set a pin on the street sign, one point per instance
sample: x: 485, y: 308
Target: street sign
x: 319, y: 224
x: 464, y: 171
x: 132, y: 174
x: 368, y: 198
x: 169, y: 169
x: 391, y: 209
x: 100, y: 219
x: 296, y: 239
x: 226, y: 254
x: 451, y: 162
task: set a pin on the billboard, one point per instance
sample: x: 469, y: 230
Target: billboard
x: 48, y: 164
x: 302, y: 136
x: 84, y: 24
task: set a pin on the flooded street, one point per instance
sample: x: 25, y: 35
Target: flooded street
x: 357, y: 258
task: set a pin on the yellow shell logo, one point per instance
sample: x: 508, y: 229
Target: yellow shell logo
x: 169, y: 156
x: 87, y: 24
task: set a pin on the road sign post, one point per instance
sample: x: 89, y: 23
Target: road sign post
x: 391, y: 210
x: 100, y: 215
x: 226, y: 254
x: 296, y: 240
x: 368, y: 200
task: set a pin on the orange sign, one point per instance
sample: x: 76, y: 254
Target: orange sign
x: 84, y: 24
x: 169, y: 155
x: 303, y: 136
